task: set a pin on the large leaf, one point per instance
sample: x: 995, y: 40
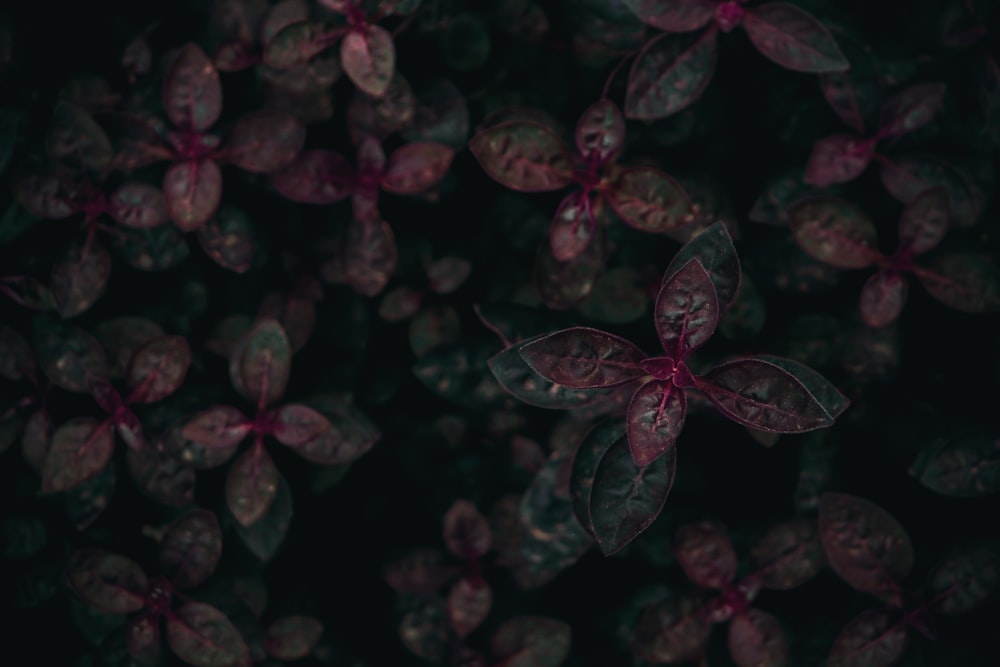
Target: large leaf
x: 80, y: 277
x: 924, y: 221
x: 584, y: 358
x: 654, y: 420
x: 756, y: 639
x: 524, y: 156
x: 964, y: 465
x: 158, y: 369
x: 838, y: 158
x: 80, y: 449
x: 705, y: 553
x: 686, y: 310
x: 416, y: 167
x: 264, y: 141
x: 260, y: 369
x: 788, y: 554
x: 793, y: 38
x: 369, y: 58
x: 585, y: 462
x: 190, y: 548
x: 829, y: 397
x: 106, y: 581
x: 649, y: 200
x: 192, y: 94
x: 714, y: 250
x: 600, y: 132
x: 911, y: 109
x: 871, y: 639
x: 834, y: 231
x: 670, y: 74
x: 865, y: 545
x: 201, y: 635
x: 251, y: 485
x: 193, y: 190
x: 316, y: 177
x: 883, y: 297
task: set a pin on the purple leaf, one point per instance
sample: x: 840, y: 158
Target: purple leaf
x: 192, y: 94
x: 565, y: 284
x: 259, y: 370
x: 251, y: 485
x: 466, y: 532
x: 371, y: 255
x: 705, y: 553
x: 264, y: 141
x: 193, y: 190
x: 871, y: 639
x: 793, y: 38
x: 266, y: 536
x: 675, y: 15
x: 369, y: 58
x: 839, y: 158
x: 416, y: 167
x: 714, y: 250
x: 828, y: 396
x: 883, y: 297
x: 524, y: 156
x: 573, y: 226
x: 349, y: 434
x: 969, y: 282
x: 161, y: 477
x: 868, y: 548
x: 158, y: 368
x: 469, y: 602
x: 965, y: 465
x: 220, y: 427
x: 80, y: 449
x: 670, y: 74
x: 788, y: 555
x: 138, y: 205
x: 229, y: 239
x: 125, y: 335
x: 584, y: 358
x: 911, y: 109
x: 190, y: 548
x: 908, y: 176
x: 654, y: 420
x: 295, y: 45
x: 297, y: 425
x: 834, y: 231
x: 600, y: 132
x: 854, y: 95
x: 201, y: 635
x: 686, y: 310
x: 648, y: 199
x: 585, y: 462
x: 316, y: 177
x: 293, y: 637
x: 80, y: 277
x: 106, y: 581
x: 756, y: 638
x: 924, y: 222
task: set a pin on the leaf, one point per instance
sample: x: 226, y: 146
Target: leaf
x: 315, y: 177
x: 674, y: 15
x: 260, y: 369
x: 416, y: 167
x: 757, y: 640
x: 870, y: 639
x: 371, y: 255
x: 788, y: 554
x: 854, y: 94
x: 293, y: 637
x: 705, y: 553
x: 760, y: 394
x: 466, y: 532
x: 219, y: 427
x: 968, y: 578
x: 793, y: 38
x: 714, y: 250
x: 907, y: 176
x: 229, y: 239
x: 80, y: 449
x: 156, y: 249
x: 201, y: 635
x: 368, y: 56
x: 75, y: 140
x: 190, y: 548
x: 138, y: 205
x: 349, y: 436
x: 969, y: 282
x: 295, y: 45
x: 626, y: 497
x: 588, y: 455
x: 670, y: 74
x: 654, y: 420
x: 672, y: 630
x: 251, y: 485
x: 44, y: 197
x: 834, y: 231
x: 883, y: 297
x: 686, y: 310
x: 164, y: 479
x: 910, y: 109
x: 963, y: 465
x: 266, y: 536
x: 80, y: 277
x: 563, y: 285
x: 192, y: 190
x: 573, y: 226
x: 600, y: 132
x: 192, y: 94
x: 68, y: 355
x: 648, y: 200
x: 158, y: 369
x: 469, y: 602
x: 531, y: 641
x: 584, y: 358
x: 868, y: 548
x: 447, y: 274
x: 106, y: 581
x: 838, y: 158
x: 264, y: 141
x: 524, y: 156
x: 924, y: 222
x: 297, y: 425
x: 828, y: 396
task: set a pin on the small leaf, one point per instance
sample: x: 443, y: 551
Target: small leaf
x: 870, y: 639
x: 531, y: 641
x: 563, y: 285
x: 157, y: 249
x: 924, y: 222
x: 251, y: 485
x: 316, y: 177
x: 266, y: 536
x: 447, y: 274
x: 834, y: 231
x: 673, y: 630
x: 585, y: 461
x: 369, y: 58
x: 192, y: 94
x: 68, y: 355
x: 706, y: 554
x: 295, y: 45
x: 219, y: 427
x: 573, y: 226
x: 911, y: 109
x: 868, y: 548
x: 297, y: 425
x: 80, y: 277
x: 655, y: 419
x: 190, y: 548
x: 469, y: 602
x: 138, y: 205
x: 600, y: 132
x: 969, y: 282
x: 714, y: 250
x: 158, y: 369
x: 293, y: 637
x: 626, y: 497
x: 649, y: 200
x: 968, y: 578
x: 883, y: 297
x: 757, y: 640
x: 670, y: 74
x: 964, y: 465
x: 686, y: 310
x: 854, y: 94
x: 106, y: 581
x: 44, y: 197
x: 466, y: 531
x: 416, y: 167
x: 838, y: 158
x: 260, y: 370
x: 264, y: 141
x: 161, y: 477
x: 788, y: 555
x: 193, y: 190
x: 674, y: 15
x: 523, y: 156
x: 229, y: 239
x: 371, y: 255
x: 584, y: 358
x: 16, y: 360
x: 350, y: 434
x: 80, y: 449
x: 77, y: 141
x: 201, y: 635
x: 793, y: 38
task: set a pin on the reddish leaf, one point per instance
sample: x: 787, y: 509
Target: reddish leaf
x: 316, y: 177
x: 201, y: 635
x: 425, y: 630
x: 908, y: 176
x: 757, y: 640
x: 369, y: 58
x: 655, y: 419
x: 584, y: 358
x: 839, y: 158
x: 965, y: 465
x: 714, y: 250
x: 834, y: 231
x: 966, y: 579
x: 883, y: 298
x: 80, y: 277
x: 264, y: 141
x: 600, y: 132
x: 297, y: 425
x: 572, y: 227
x: 259, y: 371
x: 158, y: 368
x: 193, y: 190
x: 627, y: 497
x: 108, y: 582
x: 670, y: 74
x: 190, y: 548
x: 447, y: 274
x: 251, y: 485
x: 218, y: 427
x: 871, y: 639
x: 524, y: 156
x: 416, y: 167
x: 157, y: 249
x: 565, y: 284
x: 138, y: 205
x: 142, y: 639
x: 266, y: 536
x: 125, y: 335
x: 192, y: 94
x: 349, y: 435
x: 371, y: 255
x: 854, y: 95
x: 793, y: 38
x: 531, y: 641
x: 295, y: 45
x: 293, y: 637
x: 80, y: 449
x: 77, y: 141
x: 229, y: 239
x: 648, y: 200
x: 587, y: 457
x: 911, y: 109
x: 466, y: 531
x: 160, y: 477
x: 686, y: 310
x: 788, y: 555
x: 469, y: 602
x: 762, y: 395
x: 706, y: 554
x: 964, y: 281
x: 828, y: 396
x: 924, y: 222
x: 675, y: 15
x: 868, y: 548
